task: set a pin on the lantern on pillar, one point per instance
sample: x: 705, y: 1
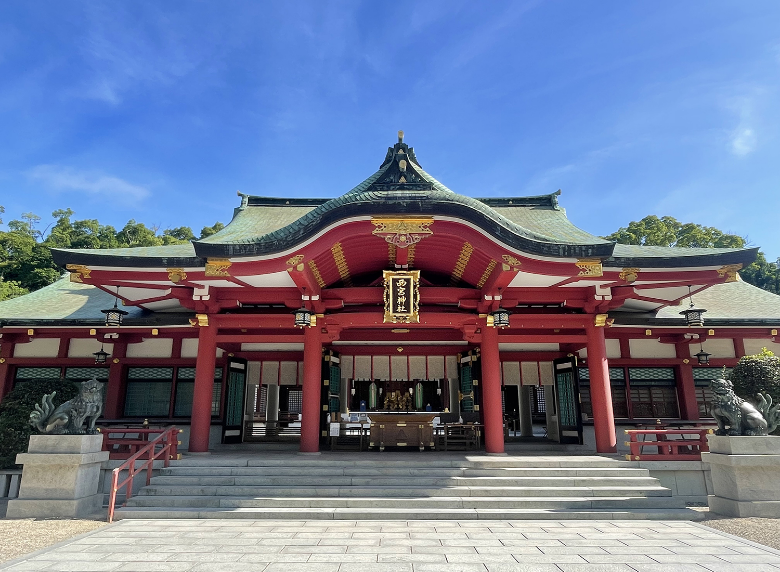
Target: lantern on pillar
x: 694, y: 317
x: 303, y: 317
x: 702, y: 357
x: 101, y: 356
x: 500, y: 318
x: 114, y: 315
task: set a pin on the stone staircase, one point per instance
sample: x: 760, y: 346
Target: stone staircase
x: 407, y: 486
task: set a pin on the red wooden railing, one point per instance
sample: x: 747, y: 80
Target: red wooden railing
x: 164, y: 447
x: 669, y: 444
x: 124, y: 442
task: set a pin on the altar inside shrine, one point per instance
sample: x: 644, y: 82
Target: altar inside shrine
x: 401, y: 430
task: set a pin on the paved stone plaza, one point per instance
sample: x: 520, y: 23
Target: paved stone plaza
x: 413, y: 546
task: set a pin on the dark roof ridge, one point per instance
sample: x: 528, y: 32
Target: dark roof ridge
x: 550, y: 200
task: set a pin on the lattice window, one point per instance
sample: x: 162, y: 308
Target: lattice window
x: 148, y: 398
x: 37, y: 373
x: 149, y: 373
x: 704, y: 398
x: 665, y: 374
x: 295, y: 401
x: 617, y: 382
x: 537, y: 401
x: 705, y: 374
x: 653, y: 392
x: 86, y: 373
x: 262, y: 404
x: 185, y: 389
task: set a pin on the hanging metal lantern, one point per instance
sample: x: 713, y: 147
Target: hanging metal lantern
x: 694, y: 317
x: 302, y: 318
x: 500, y: 318
x: 101, y: 356
x: 702, y: 357
x: 114, y: 315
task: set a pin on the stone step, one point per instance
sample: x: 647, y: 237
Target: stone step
x: 156, y: 490
x: 314, y: 481
x: 449, y: 502
x: 425, y: 461
x: 411, y: 514
x: 405, y: 471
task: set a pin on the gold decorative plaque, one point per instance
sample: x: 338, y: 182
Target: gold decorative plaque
x: 590, y: 267
x: 402, y: 296
x: 402, y: 232
x: 730, y: 272
x: 218, y: 267
x: 176, y: 275
x: 629, y: 274
x: 77, y: 272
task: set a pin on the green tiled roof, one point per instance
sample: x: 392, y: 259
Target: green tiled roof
x: 734, y: 300
x: 535, y: 225
x: 63, y: 300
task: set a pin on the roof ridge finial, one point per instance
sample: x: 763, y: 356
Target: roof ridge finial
x: 400, y: 136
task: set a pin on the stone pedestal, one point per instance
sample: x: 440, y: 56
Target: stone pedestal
x: 745, y: 475
x: 60, y: 477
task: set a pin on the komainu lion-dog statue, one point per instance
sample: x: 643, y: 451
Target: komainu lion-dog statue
x: 735, y: 416
x: 69, y: 417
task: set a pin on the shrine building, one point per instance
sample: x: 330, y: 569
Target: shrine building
x: 400, y: 297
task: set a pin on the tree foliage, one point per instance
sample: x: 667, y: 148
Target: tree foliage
x: 26, y: 263
x: 757, y: 373
x: 15, y: 428
x: 668, y: 231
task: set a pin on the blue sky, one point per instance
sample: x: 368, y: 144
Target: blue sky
x: 160, y: 111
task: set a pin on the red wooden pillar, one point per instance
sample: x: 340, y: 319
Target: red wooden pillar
x: 310, y: 408
x: 491, y: 391
x: 6, y: 351
x: 600, y: 391
x: 114, y: 391
x: 204, y: 389
x: 686, y: 388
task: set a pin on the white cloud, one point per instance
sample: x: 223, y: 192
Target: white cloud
x: 743, y: 141
x: 64, y: 179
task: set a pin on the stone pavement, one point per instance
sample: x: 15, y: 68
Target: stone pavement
x: 406, y: 546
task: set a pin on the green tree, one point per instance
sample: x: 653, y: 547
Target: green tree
x: 668, y: 231
x: 180, y: 235
x: 209, y: 230
x: 757, y: 373
x: 15, y: 428
x: 10, y: 290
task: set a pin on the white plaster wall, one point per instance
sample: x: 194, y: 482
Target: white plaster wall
x: 362, y: 367
x: 189, y: 348
x: 399, y: 368
x: 651, y: 348
x: 85, y: 347
x: 511, y: 371
x: 753, y: 346
x: 39, y: 347
x: 613, y: 348
x: 417, y: 368
x: 288, y: 374
x: 436, y: 367
x: 546, y: 373
x: 151, y: 348
x: 347, y: 367
x: 382, y: 367
x: 451, y: 367
x: 270, y: 373
x: 723, y: 348
x: 530, y: 372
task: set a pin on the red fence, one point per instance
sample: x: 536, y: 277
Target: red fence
x: 669, y: 444
x: 163, y: 447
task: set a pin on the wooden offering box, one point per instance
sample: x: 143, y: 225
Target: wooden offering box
x: 401, y: 430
